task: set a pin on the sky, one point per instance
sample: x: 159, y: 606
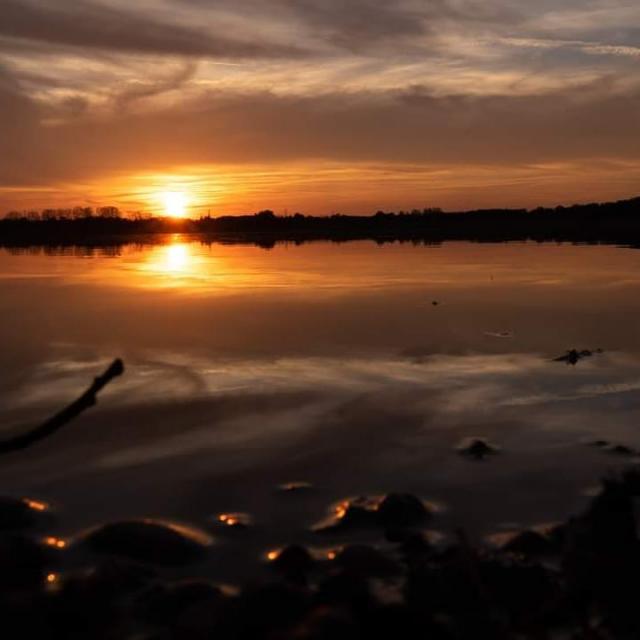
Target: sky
x: 319, y: 106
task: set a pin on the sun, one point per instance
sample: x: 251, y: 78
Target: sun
x: 175, y: 203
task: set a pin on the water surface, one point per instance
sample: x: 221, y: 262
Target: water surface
x: 328, y: 363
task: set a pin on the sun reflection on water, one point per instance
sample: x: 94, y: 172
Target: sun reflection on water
x: 176, y: 264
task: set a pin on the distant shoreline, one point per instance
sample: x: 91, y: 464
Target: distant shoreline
x: 617, y: 223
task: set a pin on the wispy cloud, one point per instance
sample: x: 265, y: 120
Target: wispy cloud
x: 161, y: 84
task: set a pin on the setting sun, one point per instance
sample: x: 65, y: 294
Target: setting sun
x: 175, y: 204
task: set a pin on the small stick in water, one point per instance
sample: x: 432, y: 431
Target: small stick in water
x: 56, y: 422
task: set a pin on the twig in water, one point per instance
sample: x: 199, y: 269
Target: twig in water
x: 85, y: 401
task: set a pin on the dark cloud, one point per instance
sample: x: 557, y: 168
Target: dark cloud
x: 93, y: 26
x: 395, y: 127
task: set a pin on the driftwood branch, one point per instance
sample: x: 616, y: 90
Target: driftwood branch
x: 56, y: 422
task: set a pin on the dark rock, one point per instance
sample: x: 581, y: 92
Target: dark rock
x: 573, y: 356
x: 167, y: 603
x: 265, y: 612
x: 294, y: 487
x: 149, y: 541
x: 477, y: 448
x: 402, y: 510
x: 365, y: 561
x: 631, y: 481
x: 18, y: 513
x: 416, y: 546
x: 23, y: 562
x: 328, y: 624
x: 529, y: 543
x: 354, y: 513
x: 293, y: 562
x: 621, y: 450
x: 234, y: 521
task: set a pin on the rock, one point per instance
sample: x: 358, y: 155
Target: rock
x: 601, y: 444
x: 19, y: 513
x: 23, y: 563
x: 293, y: 562
x: 267, y: 611
x: 631, y: 481
x: 394, y: 511
x: 234, y: 521
x: 294, y: 487
x: 573, y: 356
x: 159, y: 543
x: 402, y: 510
x: 365, y: 561
x: 415, y: 546
x: 529, y: 543
x: 621, y: 450
x: 477, y: 448
x: 353, y: 513
x: 168, y: 603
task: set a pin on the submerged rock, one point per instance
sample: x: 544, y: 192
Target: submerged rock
x: 292, y: 562
x: 529, y: 543
x: 149, y: 541
x: 573, y: 356
x: 402, y: 510
x: 188, y: 604
x: 477, y: 448
x: 20, y: 513
x: 234, y: 521
x: 393, y: 511
x: 294, y: 487
x: 352, y: 513
x: 622, y: 450
x: 600, y: 444
x: 365, y: 561
x: 23, y: 562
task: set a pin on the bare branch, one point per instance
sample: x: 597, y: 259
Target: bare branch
x: 56, y: 422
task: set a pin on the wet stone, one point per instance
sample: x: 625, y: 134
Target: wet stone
x: 19, y: 513
x: 622, y: 450
x: 23, y: 562
x: 158, y: 543
x: 234, y: 521
x: 529, y: 543
x: 353, y: 513
x: 366, y: 561
x: 477, y: 448
x: 292, y: 561
x: 394, y: 511
x: 168, y: 602
x: 402, y: 510
x: 294, y: 487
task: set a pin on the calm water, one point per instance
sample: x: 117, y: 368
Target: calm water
x: 325, y: 363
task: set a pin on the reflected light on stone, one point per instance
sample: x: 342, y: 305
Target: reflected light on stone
x: 51, y: 541
x: 35, y: 505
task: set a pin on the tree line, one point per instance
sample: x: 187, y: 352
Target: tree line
x: 73, y: 213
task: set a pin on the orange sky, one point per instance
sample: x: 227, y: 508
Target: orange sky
x: 318, y: 106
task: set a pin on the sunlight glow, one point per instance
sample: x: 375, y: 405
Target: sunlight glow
x: 175, y: 204
x: 177, y: 258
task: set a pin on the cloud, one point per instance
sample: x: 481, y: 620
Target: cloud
x: 133, y: 88
x: 141, y: 89
x: 411, y: 126
x: 93, y: 26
